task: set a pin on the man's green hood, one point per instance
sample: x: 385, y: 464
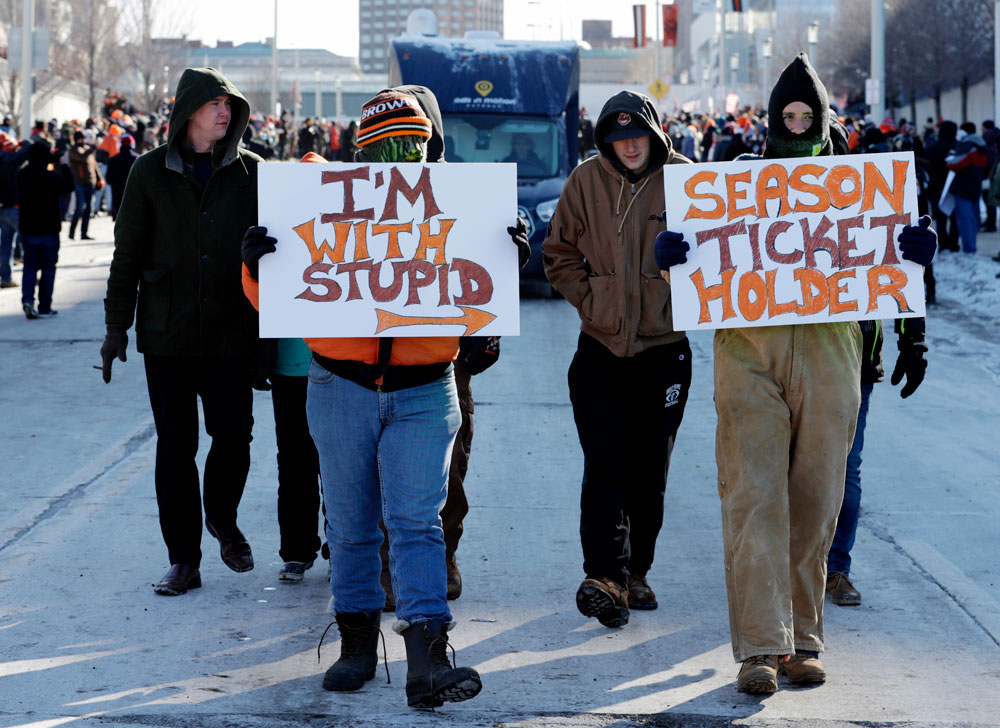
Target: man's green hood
x: 197, y: 87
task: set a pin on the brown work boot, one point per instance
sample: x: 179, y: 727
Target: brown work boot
x: 454, y: 577
x: 841, y: 590
x: 640, y: 595
x: 758, y: 674
x: 605, y: 599
x: 802, y: 669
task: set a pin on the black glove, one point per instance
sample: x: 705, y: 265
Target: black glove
x: 911, y: 362
x: 264, y: 363
x: 478, y: 353
x: 918, y: 243
x: 256, y: 244
x: 519, y: 234
x: 670, y: 249
x: 115, y: 344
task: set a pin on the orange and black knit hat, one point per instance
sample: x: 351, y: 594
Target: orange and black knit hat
x: 390, y: 114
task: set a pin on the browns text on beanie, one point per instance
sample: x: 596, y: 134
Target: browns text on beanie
x: 389, y: 114
x: 798, y: 82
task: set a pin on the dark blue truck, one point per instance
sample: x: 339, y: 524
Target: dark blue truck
x: 504, y: 101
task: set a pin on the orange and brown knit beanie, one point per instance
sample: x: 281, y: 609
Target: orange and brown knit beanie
x: 390, y: 114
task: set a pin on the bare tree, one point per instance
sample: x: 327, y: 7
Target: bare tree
x: 98, y: 23
x: 148, y: 59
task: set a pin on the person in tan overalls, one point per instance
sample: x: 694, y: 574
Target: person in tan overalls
x: 787, y: 400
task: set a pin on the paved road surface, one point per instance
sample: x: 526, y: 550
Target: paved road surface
x: 85, y: 642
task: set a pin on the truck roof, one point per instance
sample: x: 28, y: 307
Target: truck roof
x: 489, y: 75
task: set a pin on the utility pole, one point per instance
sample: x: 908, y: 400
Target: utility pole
x: 878, y: 60
x: 996, y: 59
x: 274, y: 63
x: 27, y: 73
x: 658, y: 21
x: 722, y: 49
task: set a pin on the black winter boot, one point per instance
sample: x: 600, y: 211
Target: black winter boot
x: 430, y: 679
x: 358, y: 651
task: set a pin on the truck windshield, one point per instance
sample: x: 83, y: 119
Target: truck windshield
x: 531, y: 143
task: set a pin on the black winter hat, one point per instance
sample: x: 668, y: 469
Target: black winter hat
x: 798, y: 82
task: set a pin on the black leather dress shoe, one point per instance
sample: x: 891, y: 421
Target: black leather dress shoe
x: 233, y: 547
x: 178, y: 580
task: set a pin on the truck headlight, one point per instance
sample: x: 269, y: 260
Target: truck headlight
x: 545, y: 210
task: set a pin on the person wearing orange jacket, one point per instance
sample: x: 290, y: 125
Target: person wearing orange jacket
x: 384, y: 414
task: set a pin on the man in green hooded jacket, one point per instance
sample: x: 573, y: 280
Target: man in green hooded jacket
x: 176, y: 275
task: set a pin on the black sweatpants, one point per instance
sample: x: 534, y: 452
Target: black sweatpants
x: 174, y: 384
x: 627, y: 411
x: 298, y: 471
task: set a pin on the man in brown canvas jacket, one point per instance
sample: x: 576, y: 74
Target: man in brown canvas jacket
x: 630, y: 375
x: 86, y: 178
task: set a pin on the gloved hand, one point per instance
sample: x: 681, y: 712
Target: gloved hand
x: 256, y: 244
x: 670, y: 249
x: 265, y: 360
x: 918, y: 243
x: 115, y: 344
x: 911, y: 362
x: 478, y: 353
x: 519, y: 234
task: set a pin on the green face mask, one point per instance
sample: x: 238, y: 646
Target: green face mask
x: 395, y: 149
x: 797, y: 146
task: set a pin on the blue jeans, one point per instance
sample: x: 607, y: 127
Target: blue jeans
x: 41, y: 253
x: 102, y: 194
x: 384, y: 456
x: 8, y: 227
x: 83, y: 195
x: 967, y: 219
x: 839, y: 559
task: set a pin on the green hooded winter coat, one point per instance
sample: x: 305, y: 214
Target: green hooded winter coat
x: 177, y: 265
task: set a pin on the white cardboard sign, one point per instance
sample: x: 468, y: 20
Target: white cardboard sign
x: 388, y: 250
x: 793, y: 241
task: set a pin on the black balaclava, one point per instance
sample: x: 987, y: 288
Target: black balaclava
x: 798, y: 82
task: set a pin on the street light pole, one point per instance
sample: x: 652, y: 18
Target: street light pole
x: 274, y: 63
x: 878, y: 60
x: 319, y: 96
x: 27, y: 73
x: 766, y: 51
x: 813, y: 37
x: 722, y: 46
x: 996, y: 59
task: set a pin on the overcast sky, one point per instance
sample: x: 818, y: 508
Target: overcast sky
x: 333, y: 24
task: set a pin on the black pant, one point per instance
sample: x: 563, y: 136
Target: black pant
x: 456, y: 507
x: 947, y: 230
x: 174, y: 384
x: 627, y: 411
x: 298, y: 470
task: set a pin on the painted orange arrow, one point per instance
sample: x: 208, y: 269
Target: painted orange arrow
x: 472, y: 318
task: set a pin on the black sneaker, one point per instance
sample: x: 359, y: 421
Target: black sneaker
x: 46, y: 314
x: 30, y: 311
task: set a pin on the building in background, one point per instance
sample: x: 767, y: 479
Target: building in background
x: 382, y: 20
x: 751, y: 52
x: 303, y: 75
